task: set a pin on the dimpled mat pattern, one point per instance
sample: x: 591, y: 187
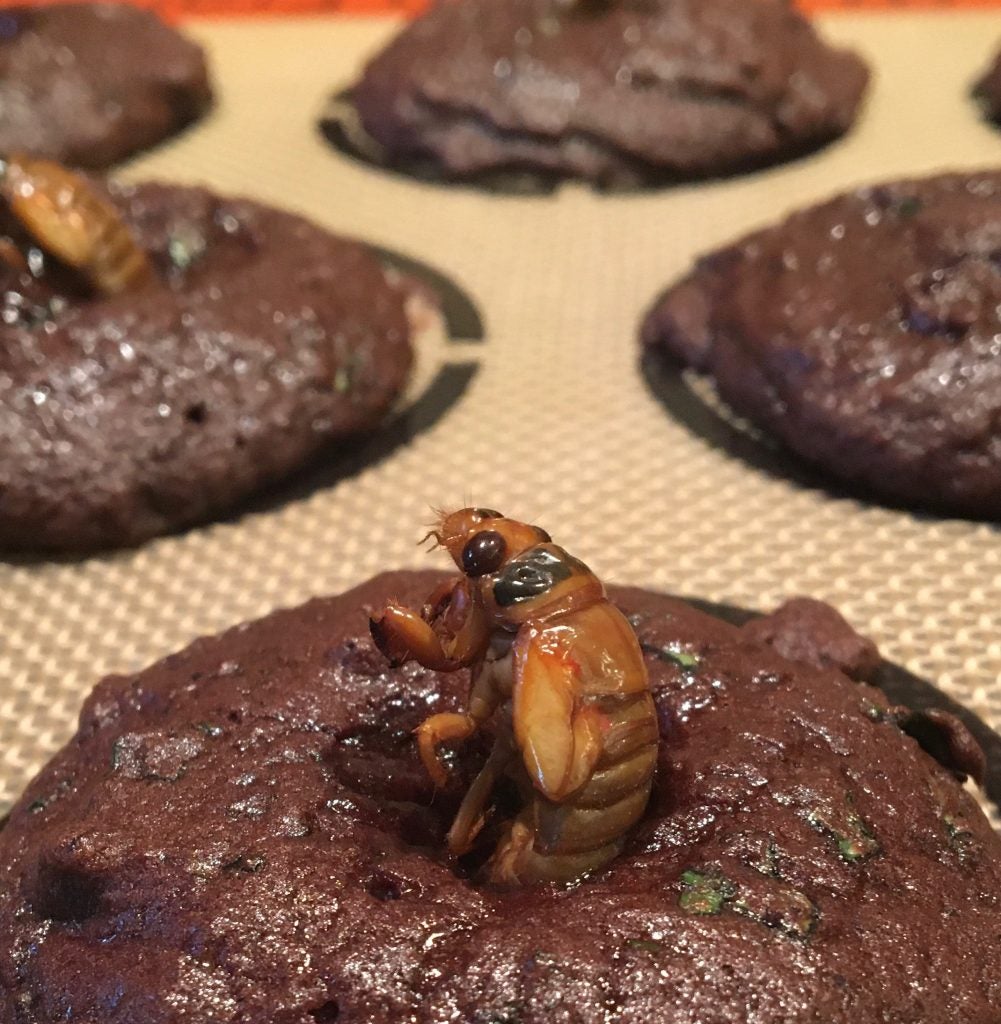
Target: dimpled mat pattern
x: 557, y: 426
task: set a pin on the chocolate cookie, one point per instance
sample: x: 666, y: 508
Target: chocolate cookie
x: 91, y: 84
x: 621, y: 93
x: 245, y: 832
x: 864, y: 334
x: 260, y: 342
x: 987, y: 91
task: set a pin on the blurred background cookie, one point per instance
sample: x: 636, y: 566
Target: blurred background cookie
x: 620, y: 93
x: 90, y: 84
x: 207, y: 347
x: 865, y: 335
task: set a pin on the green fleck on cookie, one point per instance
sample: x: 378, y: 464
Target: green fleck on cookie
x: 117, y: 753
x: 705, y: 894
x: 683, y: 659
x: 858, y: 847
x: 349, y: 372
x: 961, y: 840
x: 39, y: 805
x: 342, y: 380
x: 673, y: 655
x: 874, y: 712
x: 909, y: 206
x: 852, y: 835
x: 782, y: 908
x: 185, y: 247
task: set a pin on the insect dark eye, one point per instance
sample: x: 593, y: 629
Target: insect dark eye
x: 483, y: 554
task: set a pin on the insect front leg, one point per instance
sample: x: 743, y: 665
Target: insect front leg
x: 403, y: 635
x: 450, y: 727
x: 507, y: 865
x: 449, y: 633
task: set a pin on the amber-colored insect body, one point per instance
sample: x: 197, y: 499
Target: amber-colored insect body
x: 69, y: 219
x: 558, y: 672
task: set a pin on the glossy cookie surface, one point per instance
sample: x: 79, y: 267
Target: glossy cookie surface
x: 261, y: 342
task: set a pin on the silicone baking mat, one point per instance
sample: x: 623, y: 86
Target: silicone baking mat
x: 549, y: 417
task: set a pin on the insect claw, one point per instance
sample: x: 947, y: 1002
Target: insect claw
x: 387, y: 640
x: 460, y: 845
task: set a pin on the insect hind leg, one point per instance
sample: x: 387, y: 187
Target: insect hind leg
x: 518, y: 861
x: 472, y: 812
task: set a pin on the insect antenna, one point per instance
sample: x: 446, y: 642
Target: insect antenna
x: 434, y: 532
x: 431, y: 535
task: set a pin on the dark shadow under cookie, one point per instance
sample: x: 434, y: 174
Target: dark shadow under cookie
x: 692, y: 400
x: 986, y: 91
x: 341, y: 128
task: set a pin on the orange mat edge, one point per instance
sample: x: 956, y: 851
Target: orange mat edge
x: 188, y: 8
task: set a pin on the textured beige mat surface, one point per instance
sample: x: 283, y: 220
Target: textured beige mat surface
x: 557, y: 424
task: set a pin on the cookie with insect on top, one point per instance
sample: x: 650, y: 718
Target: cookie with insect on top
x: 619, y: 93
x: 166, y: 352
x: 90, y: 84
x: 864, y: 335
x: 247, y: 830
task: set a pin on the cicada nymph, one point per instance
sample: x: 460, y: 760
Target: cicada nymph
x: 558, y: 674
